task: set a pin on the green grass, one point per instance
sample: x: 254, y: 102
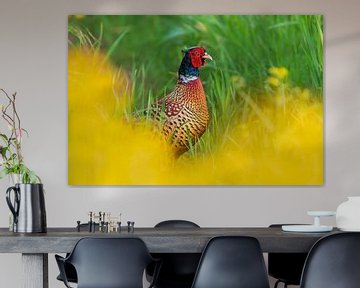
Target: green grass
x: 243, y: 47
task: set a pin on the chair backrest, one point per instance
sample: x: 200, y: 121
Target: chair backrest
x: 176, y: 224
x: 110, y: 262
x: 333, y: 262
x: 232, y: 262
x: 178, y: 269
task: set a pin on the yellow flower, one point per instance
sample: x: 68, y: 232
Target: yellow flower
x: 275, y: 82
x: 279, y: 72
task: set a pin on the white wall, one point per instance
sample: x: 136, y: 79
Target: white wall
x: 33, y: 62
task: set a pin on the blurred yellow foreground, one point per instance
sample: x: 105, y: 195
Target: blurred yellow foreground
x: 279, y: 143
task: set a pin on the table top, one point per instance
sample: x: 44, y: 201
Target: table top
x: 158, y: 240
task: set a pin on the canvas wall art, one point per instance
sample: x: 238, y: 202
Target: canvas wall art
x: 195, y: 100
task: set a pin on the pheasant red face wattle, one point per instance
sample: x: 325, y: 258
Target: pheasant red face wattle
x: 198, y: 56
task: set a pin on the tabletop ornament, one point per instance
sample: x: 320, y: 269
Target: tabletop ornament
x: 104, y: 222
x: 315, y: 227
x: 25, y: 197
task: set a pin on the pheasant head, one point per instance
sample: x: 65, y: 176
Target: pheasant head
x: 194, y: 58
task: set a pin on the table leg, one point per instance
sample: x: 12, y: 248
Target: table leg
x: 35, y: 270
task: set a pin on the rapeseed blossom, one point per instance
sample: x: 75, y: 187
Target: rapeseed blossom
x: 278, y: 72
x: 273, y: 145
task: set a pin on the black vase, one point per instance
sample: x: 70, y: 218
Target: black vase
x: 28, y: 208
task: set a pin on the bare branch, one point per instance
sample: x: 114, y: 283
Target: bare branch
x: 14, y: 123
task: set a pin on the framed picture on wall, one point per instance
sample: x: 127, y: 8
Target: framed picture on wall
x: 195, y: 100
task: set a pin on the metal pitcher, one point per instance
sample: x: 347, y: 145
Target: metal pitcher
x: 28, y: 207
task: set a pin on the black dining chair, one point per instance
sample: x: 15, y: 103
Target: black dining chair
x: 232, y: 262
x: 178, y: 269
x: 333, y: 262
x: 70, y: 271
x: 108, y: 263
x: 285, y: 267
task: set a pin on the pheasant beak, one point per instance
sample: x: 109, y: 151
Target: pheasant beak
x: 207, y: 56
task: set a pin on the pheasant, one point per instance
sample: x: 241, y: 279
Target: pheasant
x: 184, y: 112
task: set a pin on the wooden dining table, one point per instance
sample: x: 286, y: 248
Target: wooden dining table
x: 35, y: 247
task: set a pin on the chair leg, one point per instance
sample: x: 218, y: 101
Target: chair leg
x: 278, y: 282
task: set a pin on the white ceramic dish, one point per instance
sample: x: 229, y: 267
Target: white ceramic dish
x: 316, y: 227
x: 350, y: 229
x: 306, y: 228
x: 321, y: 213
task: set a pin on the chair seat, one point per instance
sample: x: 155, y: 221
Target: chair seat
x: 70, y: 274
